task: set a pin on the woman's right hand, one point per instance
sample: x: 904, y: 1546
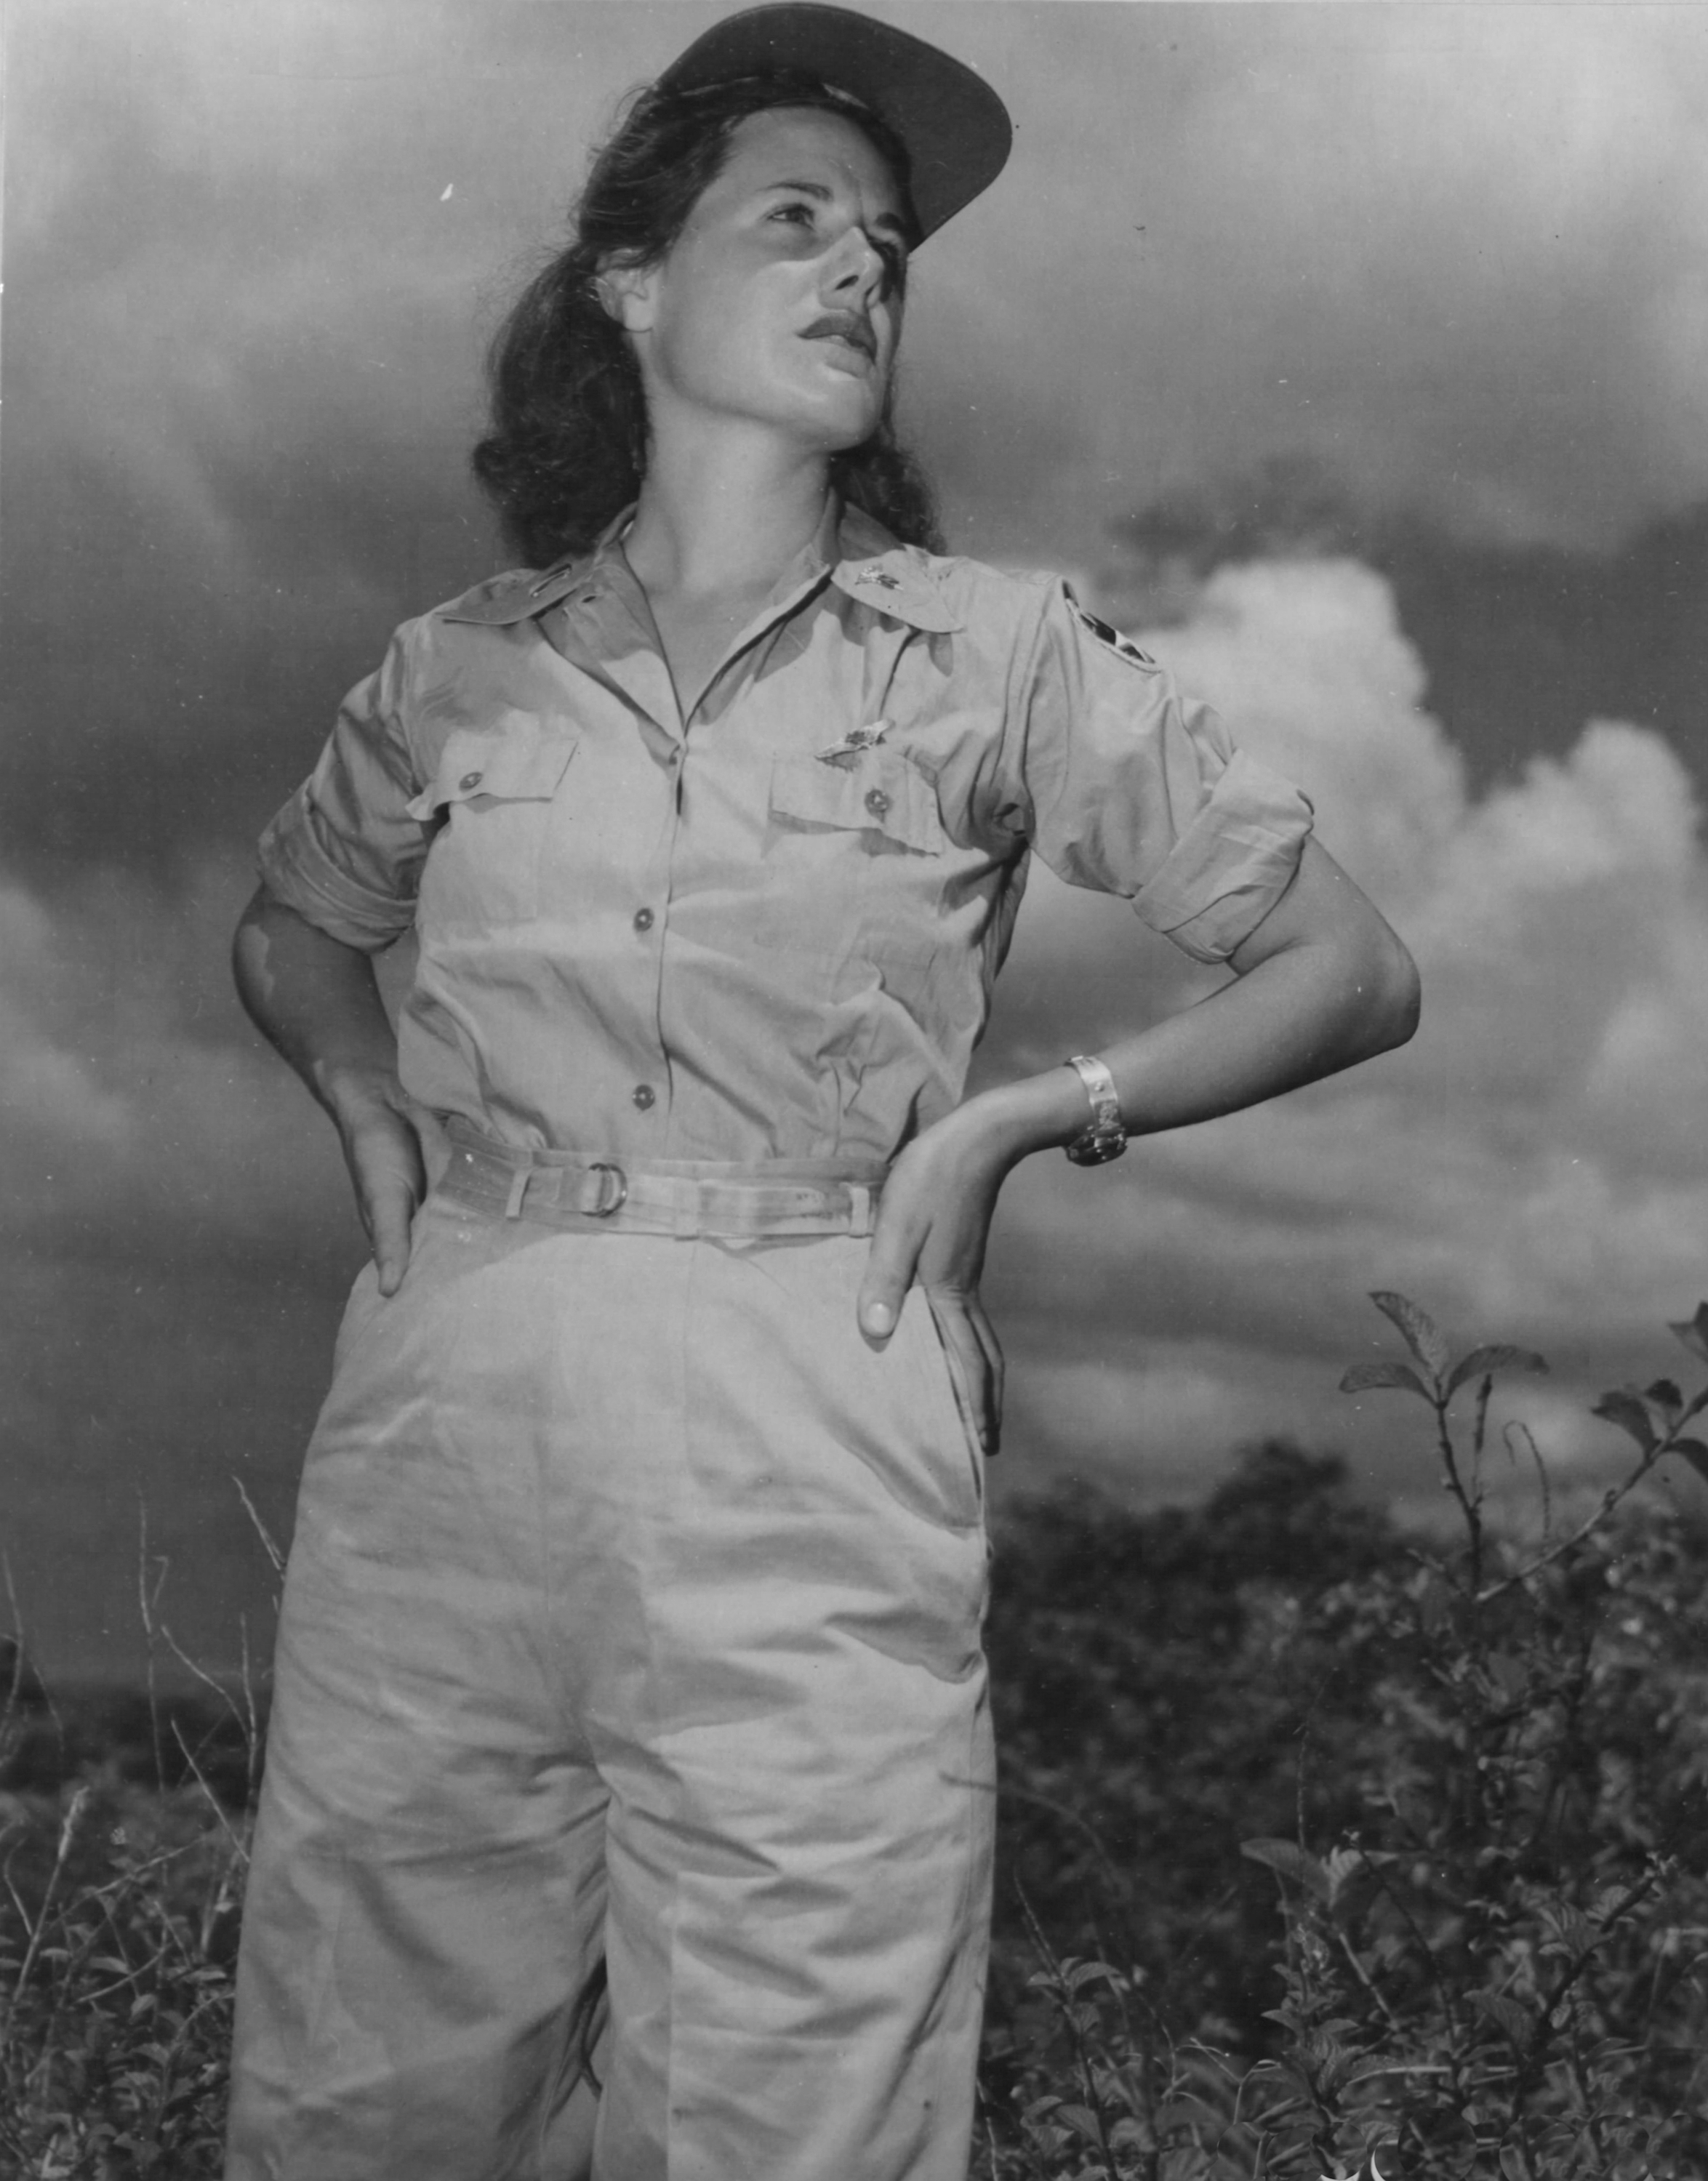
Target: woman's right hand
x: 389, y: 1139
x: 316, y: 999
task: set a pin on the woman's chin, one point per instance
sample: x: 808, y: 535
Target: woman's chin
x: 834, y: 427
x: 838, y: 408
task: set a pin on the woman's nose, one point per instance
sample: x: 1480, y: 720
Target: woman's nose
x: 857, y: 267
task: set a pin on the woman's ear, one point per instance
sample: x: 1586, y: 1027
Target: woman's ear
x: 628, y: 292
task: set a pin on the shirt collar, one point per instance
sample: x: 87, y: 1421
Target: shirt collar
x: 525, y: 592
x: 897, y: 580
x: 863, y: 560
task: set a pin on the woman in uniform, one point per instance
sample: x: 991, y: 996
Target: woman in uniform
x: 631, y: 1631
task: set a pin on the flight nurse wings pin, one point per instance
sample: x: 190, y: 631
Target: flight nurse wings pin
x: 856, y: 740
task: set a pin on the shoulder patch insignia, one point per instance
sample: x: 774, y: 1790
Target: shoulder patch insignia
x: 1111, y: 638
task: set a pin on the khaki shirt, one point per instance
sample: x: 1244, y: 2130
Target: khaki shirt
x: 766, y: 927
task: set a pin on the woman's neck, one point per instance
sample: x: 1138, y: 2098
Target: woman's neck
x: 722, y: 515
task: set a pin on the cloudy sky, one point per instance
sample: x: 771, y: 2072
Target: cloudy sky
x: 1356, y: 354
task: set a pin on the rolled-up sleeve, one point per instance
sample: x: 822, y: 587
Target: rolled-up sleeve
x: 1130, y: 789
x: 344, y: 852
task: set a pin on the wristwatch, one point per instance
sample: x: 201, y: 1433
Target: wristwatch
x: 1106, y: 1138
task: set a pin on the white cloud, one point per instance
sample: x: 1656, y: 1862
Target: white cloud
x: 1528, y: 1169
x: 1308, y: 663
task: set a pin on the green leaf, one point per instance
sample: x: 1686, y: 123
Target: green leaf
x: 1693, y: 1331
x: 1625, y: 1407
x: 1515, y: 2021
x: 1185, y: 2109
x: 1664, y: 1393
x: 1296, y: 2080
x: 1575, y: 1933
x: 1483, y: 1362
x: 1343, y: 1866
x: 1288, y: 1860
x: 1608, y: 1903
x: 1422, y: 1335
x: 1694, y: 1452
x: 1084, y: 1973
x: 1083, y: 2120
x: 1362, y: 1377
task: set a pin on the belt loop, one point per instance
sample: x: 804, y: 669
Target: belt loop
x: 861, y: 1209
x: 519, y: 1189
x: 687, y: 1208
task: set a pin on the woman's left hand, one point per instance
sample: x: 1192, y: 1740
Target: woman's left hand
x: 1322, y: 982
x: 933, y: 1221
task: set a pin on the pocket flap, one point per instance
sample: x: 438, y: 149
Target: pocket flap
x: 879, y: 792
x: 522, y: 762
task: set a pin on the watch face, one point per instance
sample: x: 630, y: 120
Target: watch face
x: 1098, y: 1147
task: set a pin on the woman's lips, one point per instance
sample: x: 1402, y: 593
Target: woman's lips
x: 847, y: 327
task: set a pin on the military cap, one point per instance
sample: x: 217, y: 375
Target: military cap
x: 956, y: 131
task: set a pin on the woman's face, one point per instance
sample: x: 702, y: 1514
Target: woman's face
x: 780, y: 303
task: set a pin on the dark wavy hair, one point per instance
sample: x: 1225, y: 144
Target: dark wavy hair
x: 567, y: 446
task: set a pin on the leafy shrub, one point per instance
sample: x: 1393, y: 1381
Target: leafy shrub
x: 116, y: 1968
x: 123, y: 1833
x: 1479, y: 1779
x: 1150, y: 1684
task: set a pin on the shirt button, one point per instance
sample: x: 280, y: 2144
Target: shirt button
x: 642, y: 919
x: 645, y: 1096
x: 470, y: 781
x: 877, y: 802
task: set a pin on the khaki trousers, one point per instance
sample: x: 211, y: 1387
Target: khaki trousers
x: 632, y: 1616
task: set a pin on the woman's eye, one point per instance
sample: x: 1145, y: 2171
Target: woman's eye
x: 802, y: 215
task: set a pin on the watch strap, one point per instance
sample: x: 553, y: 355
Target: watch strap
x: 1105, y: 1138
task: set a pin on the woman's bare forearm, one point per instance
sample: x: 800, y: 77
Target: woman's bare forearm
x: 313, y: 998
x: 1323, y: 984
x: 318, y: 1002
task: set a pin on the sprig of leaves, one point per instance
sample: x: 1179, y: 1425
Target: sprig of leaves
x: 1654, y: 1418
x: 1440, y: 1380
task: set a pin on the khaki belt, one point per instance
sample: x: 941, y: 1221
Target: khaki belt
x: 662, y: 1197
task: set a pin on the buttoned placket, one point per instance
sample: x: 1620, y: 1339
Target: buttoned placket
x: 591, y: 616
x: 602, y: 625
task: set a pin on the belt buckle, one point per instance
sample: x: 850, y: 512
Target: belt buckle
x: 608, y: 1202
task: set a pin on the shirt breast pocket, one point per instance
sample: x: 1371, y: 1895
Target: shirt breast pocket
x: 880, y: 795
x: 491, y: 800
x: 857, y: 850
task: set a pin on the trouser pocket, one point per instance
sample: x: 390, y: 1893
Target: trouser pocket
x: 968, y: 1399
